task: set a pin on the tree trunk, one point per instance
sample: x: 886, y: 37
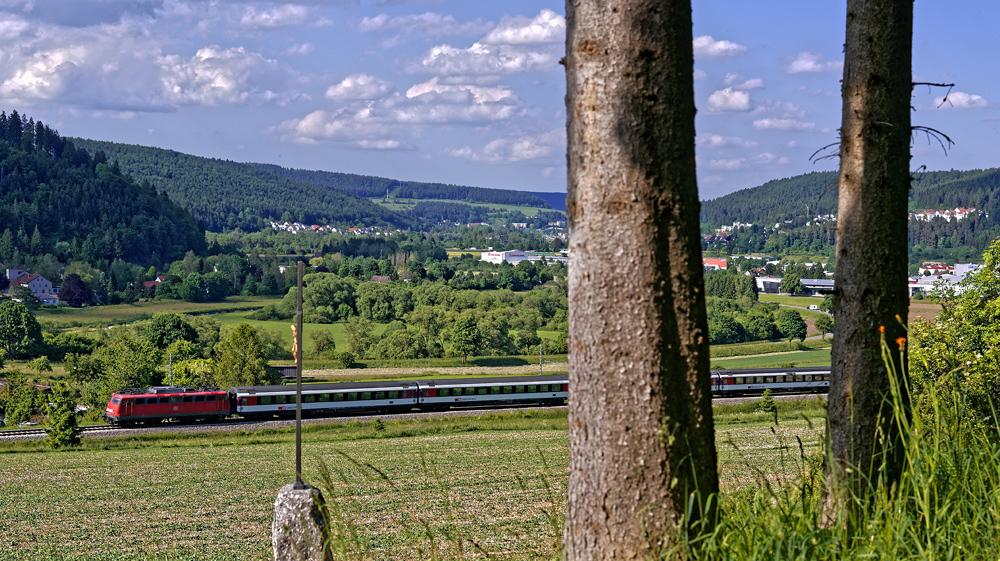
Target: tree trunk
x: 871, y: 247
x: 640, y: 416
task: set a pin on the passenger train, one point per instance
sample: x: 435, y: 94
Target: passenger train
x: 192, y: 405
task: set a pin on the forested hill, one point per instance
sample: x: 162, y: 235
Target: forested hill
x: 58, y: 200
x: 373, y: 187
x: 226, y: 195
x: 555, y: 200
x: 786, y: 199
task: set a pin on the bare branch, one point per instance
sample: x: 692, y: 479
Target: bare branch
x: 943, y: 140
x: 833, y: 153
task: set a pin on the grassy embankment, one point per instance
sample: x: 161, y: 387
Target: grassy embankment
x: 498, y: 480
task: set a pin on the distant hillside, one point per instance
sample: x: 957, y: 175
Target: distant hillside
x: 59, y: 203
x: 555, y: 200
x: 226, y: 195
x: 787, y: 199
x: 373, y: 187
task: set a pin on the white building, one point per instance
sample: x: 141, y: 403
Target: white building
x: 515, y: 256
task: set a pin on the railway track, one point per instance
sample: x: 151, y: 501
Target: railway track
x: 238, y: 424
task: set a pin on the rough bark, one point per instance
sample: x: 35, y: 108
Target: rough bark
x: 871, y: 268
x: 641, y: 431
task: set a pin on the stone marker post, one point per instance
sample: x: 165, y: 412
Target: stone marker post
x: 299, y: 530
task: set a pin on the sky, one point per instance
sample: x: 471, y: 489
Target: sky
x: 466, y: 92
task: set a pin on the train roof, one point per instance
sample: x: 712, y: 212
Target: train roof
x: 765, y: 371
x: 326, y: 386
x: 497, y: 380
x: 403, y: 384
x: 166, y: 390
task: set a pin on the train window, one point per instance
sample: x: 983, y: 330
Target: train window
x: 309, y: 398
x: 175, y: 398
x: 392, y: 395
x: 323, y: 397
x: 758, y: 379
x: 495, y: 389
x: 508, y: 389
x: 279, y: 399
x: 808, y: 377
x: 379, y: 395
x: 187, y: 398
x: 140, y: 401
x: 543, y: 388
x: 264, y: 400
x: 210, y: 397
x: 798, y: 377
x: 442, y: 392
x: 518, y: 389
x: 199, y: 398
x: 160, y: 400
x: 768, y: 379
x: 352, y: 396
x: 366, y: 395
x: 338, y: 397
x: 482, y: 391
x: 116, y: 400
x: 470, y: 391
x: 532, y: 389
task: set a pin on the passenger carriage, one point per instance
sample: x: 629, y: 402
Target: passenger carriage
x: 324, y: 399
x: 542, y: 390
x: 778, y: 380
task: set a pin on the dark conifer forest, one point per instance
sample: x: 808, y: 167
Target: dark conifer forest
x: 55, y: 197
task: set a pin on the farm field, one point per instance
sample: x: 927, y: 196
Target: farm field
x: 99, y: 316
x: 499, y: 481
x: 407, y: 204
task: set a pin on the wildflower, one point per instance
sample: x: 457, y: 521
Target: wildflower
x: 902, y: 343
x: 881, y: 329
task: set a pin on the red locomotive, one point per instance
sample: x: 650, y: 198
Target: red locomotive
x: 158, y: 403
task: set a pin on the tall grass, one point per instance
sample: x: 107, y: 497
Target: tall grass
x: 945, y: 505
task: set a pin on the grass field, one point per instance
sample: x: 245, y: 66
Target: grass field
x: 407, y: 204
x: 100, y: 316
x: 499, y: 480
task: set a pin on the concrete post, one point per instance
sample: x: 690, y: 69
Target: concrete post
x: 299, y: 531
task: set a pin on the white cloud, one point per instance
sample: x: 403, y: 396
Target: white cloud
x: 515, y: 148
x: 300, y: 50
x: 215, y: 76
x: 707, y: 46
x: 483, y: 59
x: 729, y: 100
x: 123, y: 67
x: 379, y: 123
x: 360, y: 86
x: 699, y: 74
x: 809, y: 62
x: 719, y: 141
x: 278, y: 16
x: 751, y: 84
x: 428, y: 24
x: 546, y: 27
x: 783, y: 125
x: 764, y: 158
x: 961, y: 100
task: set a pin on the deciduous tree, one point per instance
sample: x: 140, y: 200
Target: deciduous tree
x: 242, y: 359
x: 642, y: 442
x: 20, y: 334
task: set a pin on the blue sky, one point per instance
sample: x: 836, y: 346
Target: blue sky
x: 464, y: 92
